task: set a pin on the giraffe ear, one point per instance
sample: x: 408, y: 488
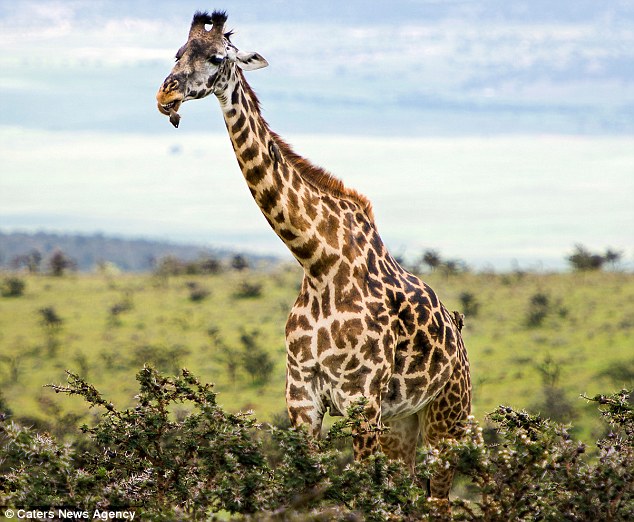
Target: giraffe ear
x: 250, y: 61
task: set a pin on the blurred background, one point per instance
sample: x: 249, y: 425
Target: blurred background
x: 500, y: 133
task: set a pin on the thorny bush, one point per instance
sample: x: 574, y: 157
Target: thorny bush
x: 178, y: 456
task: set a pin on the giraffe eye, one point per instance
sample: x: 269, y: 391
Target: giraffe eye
x: 216, y: 59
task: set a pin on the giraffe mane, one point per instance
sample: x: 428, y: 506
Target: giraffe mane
x: 317, y: 176
x: 320, y: 178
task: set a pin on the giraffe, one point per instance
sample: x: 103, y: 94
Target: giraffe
x: 362, y: 326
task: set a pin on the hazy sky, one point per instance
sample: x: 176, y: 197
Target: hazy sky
x: 492, y: 130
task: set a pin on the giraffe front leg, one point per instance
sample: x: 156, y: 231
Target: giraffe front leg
x: 365, y: 435
x: 303, y: 408
x: 306, y: 415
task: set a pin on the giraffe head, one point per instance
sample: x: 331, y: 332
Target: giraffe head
x: 203, y: 64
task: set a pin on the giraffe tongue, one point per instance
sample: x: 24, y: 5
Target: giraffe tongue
x: 175, y: 118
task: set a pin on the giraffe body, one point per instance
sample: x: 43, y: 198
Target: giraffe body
x: 361, y: 326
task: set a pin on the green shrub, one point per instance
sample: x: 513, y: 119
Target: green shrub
x: 539, y: 307
x: 192, y: 465
x: 248, y: 290
x: 165, y: 358
x: 12, y: 287
x: 51, y: 324
x: 197, y: 292
x: 256, y: 361
x: 470, y: 304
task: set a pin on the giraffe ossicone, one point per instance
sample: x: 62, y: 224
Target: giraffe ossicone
x: 362, y: 326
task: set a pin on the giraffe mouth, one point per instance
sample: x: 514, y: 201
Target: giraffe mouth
x: 171, y: 109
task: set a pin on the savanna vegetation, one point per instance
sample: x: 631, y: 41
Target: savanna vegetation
x: 537, y: 342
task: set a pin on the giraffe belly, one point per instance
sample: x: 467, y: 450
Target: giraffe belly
x: 394, y: 410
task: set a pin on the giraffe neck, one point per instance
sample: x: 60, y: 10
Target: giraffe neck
x: 317, y: 218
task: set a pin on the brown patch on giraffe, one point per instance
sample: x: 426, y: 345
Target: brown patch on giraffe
x: 293, y: 201
x: 388, y: 350
x: 311, y: 204
x: 359, y: 275
x: 371, y: 262
x: 346, y: 300
x: 347, y: 333
x: 433, y: 299
x: 315, y: 308
x: 352, y: 247
x: 394, y: 391
x: 421, y: 309
x: 450, y: 341
x: 373, y: 287
x: 342, y: 276
x: 236, y: 97
x: 407, y: 320
x: 279, y: 217
x: 305, y: 250
x: 352, y: 363
x: 300, y: 416
x: 286, y: 234
x: 376, y: 385
x: 315, y: 375
x: 323, y: 341
x: 297, y: 322
x: 292, y: 374
x: 378, y: 313
x: 355, y: 380
x: 372, y: 350
x: 268, y: 199
x: 300, y: 348
x: 416, y: 385
x: 437, y: 361
x: 323, y: 265
x: 334, y: 362
x: 297, y: 393
x: 296, y: 220
x: 250, y: 153
x: 328, y: 229
x: 296, y: 181
x: 418, y: 362
x: 303, y: 298
x: 238, y: 124
x: 241, y: 138
x: 325, y: 302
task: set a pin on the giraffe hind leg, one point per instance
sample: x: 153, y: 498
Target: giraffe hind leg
x: 444, y: 418
x: 400, y: 441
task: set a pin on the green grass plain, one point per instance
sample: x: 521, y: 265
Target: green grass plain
x: 585, y: 342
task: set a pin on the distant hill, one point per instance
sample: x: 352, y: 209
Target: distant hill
x: 133, y: 255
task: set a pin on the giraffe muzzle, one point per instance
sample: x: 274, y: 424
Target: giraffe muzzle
x: 169, y: 109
